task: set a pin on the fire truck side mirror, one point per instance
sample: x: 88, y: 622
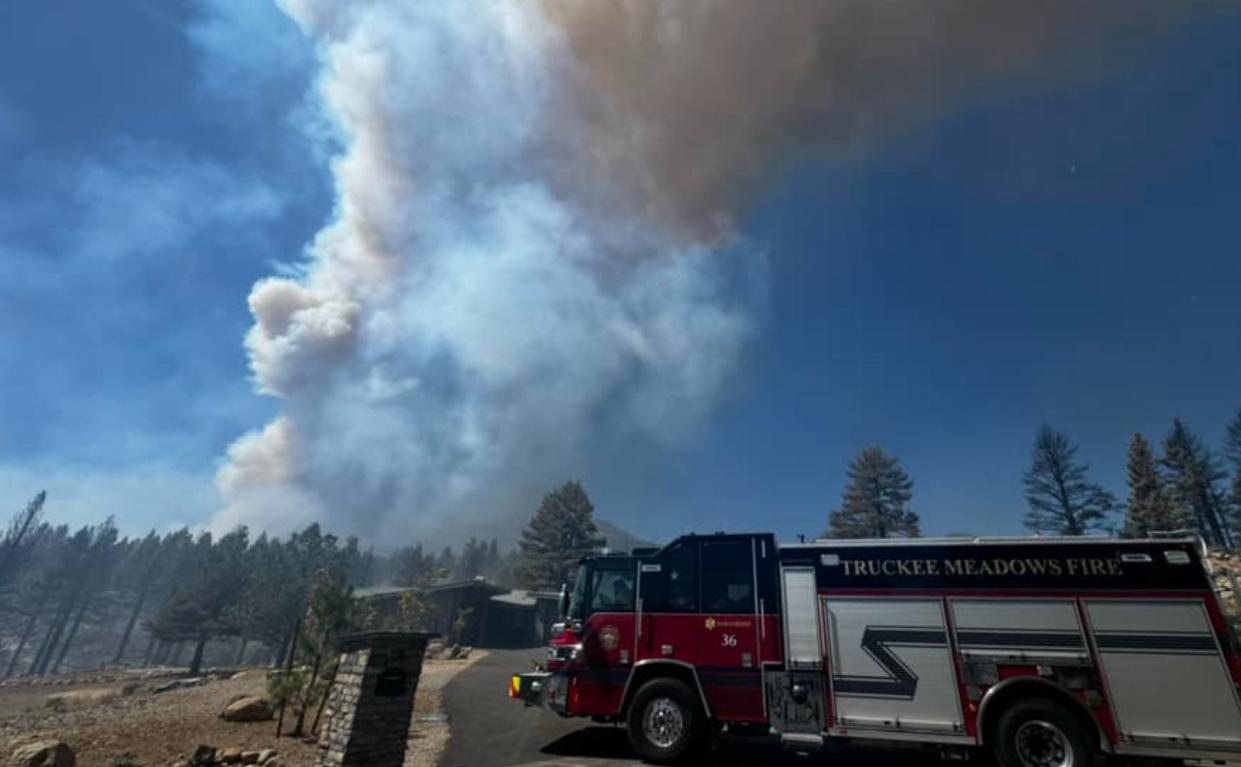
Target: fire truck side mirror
x: 563, y: 603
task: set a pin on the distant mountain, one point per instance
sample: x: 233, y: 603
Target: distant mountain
x: 618, y: 538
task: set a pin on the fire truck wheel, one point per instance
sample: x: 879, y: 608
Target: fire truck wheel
x: 663, y: 721
x: 1037, y: 733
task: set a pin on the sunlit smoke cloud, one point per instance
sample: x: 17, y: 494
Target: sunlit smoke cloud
x: 687, y: 106
x: 535, y: 242
x: 466, y: 324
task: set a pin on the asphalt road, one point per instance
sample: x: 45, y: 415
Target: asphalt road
x: 489, y: 730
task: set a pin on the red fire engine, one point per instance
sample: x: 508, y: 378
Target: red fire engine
x: 1044, y: 651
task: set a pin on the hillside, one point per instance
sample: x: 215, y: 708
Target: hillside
x: 619, y: 538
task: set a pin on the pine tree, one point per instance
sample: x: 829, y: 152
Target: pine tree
x: 1194, y: 477
x: 12, y: 544
x: 561, y: 532
x: 1149, y: 508
x: 875, y: 503
x: 1232, y: 451
x: 473, y: 560
x: 329, y: 612
x: 1232, y: 441
x: 205, y: 608
x: 1062, y: 499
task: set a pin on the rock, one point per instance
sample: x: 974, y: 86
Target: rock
x: 230, y: 755
x: 266, y: 755
x: 45, y: 753
x: 435, y: 649
x: 203, y: 755
x: 250, y: 708
x: 250, y: 757
x: 460, y: 652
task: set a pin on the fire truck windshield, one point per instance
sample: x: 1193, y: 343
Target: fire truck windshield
x: 577, y: 598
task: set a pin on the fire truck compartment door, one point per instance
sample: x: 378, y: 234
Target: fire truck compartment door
x: 1165, y: 674
x: 891, y: 668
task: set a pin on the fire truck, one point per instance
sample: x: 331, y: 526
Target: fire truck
x: 1045, y: 652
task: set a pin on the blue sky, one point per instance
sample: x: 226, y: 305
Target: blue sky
x: 1064, y: 253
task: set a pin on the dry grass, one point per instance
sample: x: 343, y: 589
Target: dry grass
x: 100, y: 723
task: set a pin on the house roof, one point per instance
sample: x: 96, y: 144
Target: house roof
x: 479, y: 583
x: 525, y: 597
x: 378, y: 591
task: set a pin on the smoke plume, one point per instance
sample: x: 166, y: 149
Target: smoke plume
x: 534, y: 242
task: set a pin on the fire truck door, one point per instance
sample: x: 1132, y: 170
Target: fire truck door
x: 670, y: 623
x: 729, y: 651
x: 891, y: 668
x: 1165, y: 673
x: 608, y: 639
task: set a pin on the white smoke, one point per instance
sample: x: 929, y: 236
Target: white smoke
x: 465, y: 326
x: 534, y: 242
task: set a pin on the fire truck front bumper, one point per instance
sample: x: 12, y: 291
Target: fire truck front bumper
x: 541, y: 688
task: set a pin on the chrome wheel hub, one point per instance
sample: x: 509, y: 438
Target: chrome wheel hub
x: 1043, y: 744
x: 663, y: 723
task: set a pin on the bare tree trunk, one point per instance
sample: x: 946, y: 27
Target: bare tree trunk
x: 73, y: 632
x: 133, y: 619
x: 50, y: 638
x: 21, y: 645
x: 288, y: 668
x: 241, y: 652
x: 307, y: 701
x: 285, y: 647
x: 196, y: 663
x: 146, y: 656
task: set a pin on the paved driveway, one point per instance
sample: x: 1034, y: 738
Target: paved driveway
x: 489, y: 730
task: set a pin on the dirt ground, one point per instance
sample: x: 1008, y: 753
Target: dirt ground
x: 101, y: 723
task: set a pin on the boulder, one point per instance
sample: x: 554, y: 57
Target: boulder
x: 250, y: 708
x: 250, y: 757
x: 45, y: 753
x: 229, y: 755
x: 266, y: 755
x: 203, y: 755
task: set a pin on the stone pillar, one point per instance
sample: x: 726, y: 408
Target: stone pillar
x: 371, y: 703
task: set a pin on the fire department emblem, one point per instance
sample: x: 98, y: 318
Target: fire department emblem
x: 710, y: 624
x: 609, y: 638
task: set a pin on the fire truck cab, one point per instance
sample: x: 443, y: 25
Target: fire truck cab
x: 1044, y: 651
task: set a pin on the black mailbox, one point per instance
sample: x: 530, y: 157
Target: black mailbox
x: 391, y: 683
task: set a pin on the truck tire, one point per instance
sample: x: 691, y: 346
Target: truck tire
x: 663, y: 721
x: 1040, y: 733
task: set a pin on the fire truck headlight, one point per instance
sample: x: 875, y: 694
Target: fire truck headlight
x: 565, y: 653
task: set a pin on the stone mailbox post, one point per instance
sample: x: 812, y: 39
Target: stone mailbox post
x: 368, y: 710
